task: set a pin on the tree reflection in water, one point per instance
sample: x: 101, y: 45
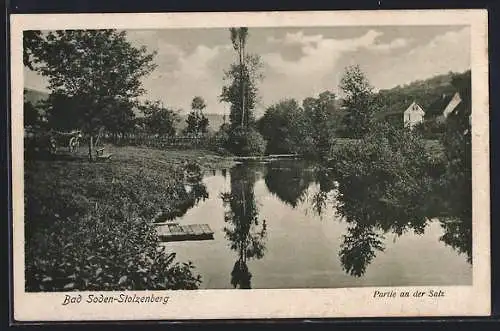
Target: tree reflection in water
x: 192, y: 191
x: 358, y: 248
x: 375, y: 208
x: 371, y: 214
x: 245, y: 232
x: 323, y: 177
x: 372, y: 209
x: 457, y: 221
x: 289, y: 181
x: 458, y: 235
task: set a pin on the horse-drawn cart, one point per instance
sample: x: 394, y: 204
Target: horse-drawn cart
x: 41, y: 140
x: 65, y: 140
x: 54, y: 142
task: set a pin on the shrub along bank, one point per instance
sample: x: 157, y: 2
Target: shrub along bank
x: 88, y: 226
x: 394, y: 166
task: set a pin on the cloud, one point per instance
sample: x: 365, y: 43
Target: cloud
x: 321, y: 54
x: 295, y: 38
x: 395, y: 44
x: 453, y: 39
x: 443, y: 53
x: 194, y: 64
x: 182, y: 75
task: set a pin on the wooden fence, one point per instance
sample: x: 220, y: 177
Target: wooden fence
x: 160, y: 142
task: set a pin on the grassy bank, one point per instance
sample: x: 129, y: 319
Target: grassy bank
x: 207, y: 160
x: 88, y: 225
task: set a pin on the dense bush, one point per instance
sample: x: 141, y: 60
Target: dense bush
x: 390, y: 165
x: 457, y: 142
x: 220, y: 139
x: 279, y: 126
x: 431, y: 129
x: 107, y: 249
x: 89, y: 226
x: 246, y: 142
x: 308, y: 130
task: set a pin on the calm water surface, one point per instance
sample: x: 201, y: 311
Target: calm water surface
x: 282, y: 225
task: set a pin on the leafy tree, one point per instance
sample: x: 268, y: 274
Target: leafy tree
x: 95, y: 68
x: 192, y: 124
x: 241, y: 92
x: 221, y: 138
x: 319, y: 122
x: 203, y: 124
x: 279, y: 126
x: 62, y: 111
x: 197, y: 123
x: 120, y: 119
x: 32, y: 41
x: 457, y: 144
x: 308, y: 130
x: 246, y: 142
x: 238, y: 39
x: 198, y: 104
x: 359, y: 101
x: 158, y: 119
x: 31, y: 114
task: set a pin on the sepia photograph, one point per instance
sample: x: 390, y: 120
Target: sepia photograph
x: 247, y: 157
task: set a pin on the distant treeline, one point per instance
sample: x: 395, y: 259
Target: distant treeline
x: 288, y: 126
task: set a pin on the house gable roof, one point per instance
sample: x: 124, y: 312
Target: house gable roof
x: 455, y: 102
x: 415, y: 107
x: 437, y: 107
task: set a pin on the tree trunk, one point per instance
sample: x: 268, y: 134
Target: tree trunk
x: 90, y: 148
x: 242, y: 84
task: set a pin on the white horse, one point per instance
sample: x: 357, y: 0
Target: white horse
x: 61, y: 138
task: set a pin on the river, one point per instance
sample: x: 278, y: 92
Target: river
x: 281, y: 224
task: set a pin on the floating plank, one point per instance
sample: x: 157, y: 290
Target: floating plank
x: 205, y: 228
x: 165, y: 223
x: 196, y: 229
x: 176, y: 232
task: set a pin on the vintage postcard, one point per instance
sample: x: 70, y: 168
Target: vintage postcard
x: 250, y: 165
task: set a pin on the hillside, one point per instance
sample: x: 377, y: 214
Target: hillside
x: 430, y: 93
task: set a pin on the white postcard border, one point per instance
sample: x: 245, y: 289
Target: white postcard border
x: 285, y: 303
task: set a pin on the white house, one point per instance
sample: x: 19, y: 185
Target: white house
x: 451, y: 106
x: 454, y: 102
x: 413, y: 115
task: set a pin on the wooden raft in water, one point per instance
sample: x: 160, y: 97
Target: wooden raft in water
x: 176, y: 232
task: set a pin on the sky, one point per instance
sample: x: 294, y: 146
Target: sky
x: 298, y: 62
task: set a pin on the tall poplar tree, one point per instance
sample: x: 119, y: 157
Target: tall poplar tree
x: 242, y: 77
